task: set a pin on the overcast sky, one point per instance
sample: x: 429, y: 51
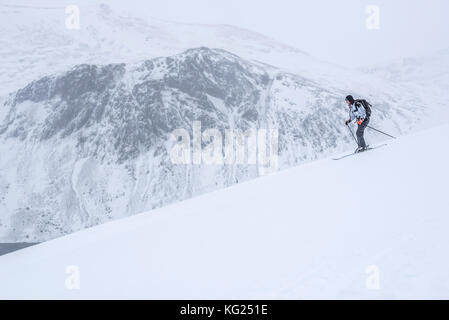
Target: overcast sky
x: 333, y: 30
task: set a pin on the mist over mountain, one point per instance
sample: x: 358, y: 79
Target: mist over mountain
x: 35, y: 42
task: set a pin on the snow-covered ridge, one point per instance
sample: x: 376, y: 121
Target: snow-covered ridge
x: 35, y: 42
x: 296, y: 234
x: 426, y: 76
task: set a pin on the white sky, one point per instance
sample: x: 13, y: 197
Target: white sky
x: 332, y: 30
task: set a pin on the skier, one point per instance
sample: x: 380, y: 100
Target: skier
x: 359, y: 110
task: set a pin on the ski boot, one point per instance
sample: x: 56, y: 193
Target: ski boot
x: 360, y: 149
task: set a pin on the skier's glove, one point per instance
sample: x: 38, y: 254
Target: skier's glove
x: 360, y: 121
x: 347, y: 122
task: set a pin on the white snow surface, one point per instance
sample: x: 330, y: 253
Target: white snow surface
x: 308, y: 232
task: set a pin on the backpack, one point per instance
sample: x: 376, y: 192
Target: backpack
x: 366, y: 105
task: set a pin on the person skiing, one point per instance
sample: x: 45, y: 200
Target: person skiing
x: 359, y: 110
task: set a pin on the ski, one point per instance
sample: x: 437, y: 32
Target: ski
x: 353, y: 154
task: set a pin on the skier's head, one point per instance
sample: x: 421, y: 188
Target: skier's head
x: 349, y: 100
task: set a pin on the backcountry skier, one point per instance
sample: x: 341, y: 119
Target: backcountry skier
x: 359, y: 110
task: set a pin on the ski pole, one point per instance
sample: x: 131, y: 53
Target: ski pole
x: 381, y: 132
x: 352, y: 134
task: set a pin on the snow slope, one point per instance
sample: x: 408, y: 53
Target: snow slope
x: 307, y: 232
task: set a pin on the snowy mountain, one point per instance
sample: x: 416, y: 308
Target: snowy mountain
x: 301, y: 233
x: 86, y: 115
x: 426, y: 76
x: 35, y: 42
x: 93, y: 143
x: 428, y: 68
